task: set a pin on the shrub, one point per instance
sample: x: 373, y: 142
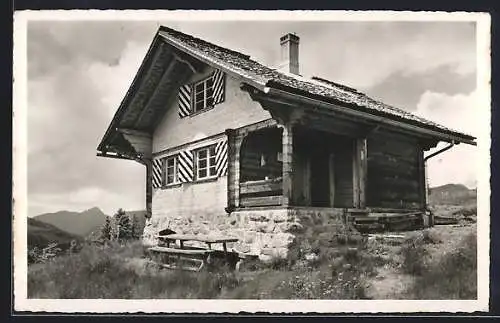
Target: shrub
x: 414, y: 253
x: 431, y: 236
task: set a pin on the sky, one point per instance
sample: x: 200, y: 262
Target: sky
x: 79, y: 71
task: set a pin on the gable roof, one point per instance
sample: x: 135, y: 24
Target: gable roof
x: 261, y: 76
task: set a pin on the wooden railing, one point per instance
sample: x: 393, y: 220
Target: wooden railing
x: 261, y: 193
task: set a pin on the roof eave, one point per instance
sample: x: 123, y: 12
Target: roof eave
x: 342, y: 108
x: 129, y: 94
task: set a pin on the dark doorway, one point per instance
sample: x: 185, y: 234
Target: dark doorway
x: 320, y: 180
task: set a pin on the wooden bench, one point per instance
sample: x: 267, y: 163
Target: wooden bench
x: 199, y: 257
x: 230, y: 257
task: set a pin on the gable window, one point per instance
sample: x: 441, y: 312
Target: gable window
x: 205, y: 163
x: 171, y: 170
x: 204, y: 94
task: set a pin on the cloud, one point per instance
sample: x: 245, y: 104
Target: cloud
x: 69, y: 108
x: 403, y: 90
x: 459, y: 112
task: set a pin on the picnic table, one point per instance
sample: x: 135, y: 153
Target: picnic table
x: 200, y: 256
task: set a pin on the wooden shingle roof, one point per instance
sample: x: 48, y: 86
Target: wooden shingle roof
x: 316, y: 87
x: 252, y: 73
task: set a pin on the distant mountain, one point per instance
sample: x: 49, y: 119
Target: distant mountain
x: 452, y: 194
x: 40, y: 234
x: 77, y: 223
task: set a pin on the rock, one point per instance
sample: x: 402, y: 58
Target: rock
x: 281, y: 227
x: 259, y: 217
x: 249, y: 237
x: 270, y: 228
x: 267, y: 251
x: 261, y: 227
x: 265, y: 258
x: 295, y: 227
x: 279, y: 217
x: 240, y: 247
x: 282, y: 240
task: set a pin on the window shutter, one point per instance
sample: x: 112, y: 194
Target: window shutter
x: 157, y: 172
x: 184, y: 100
x: 219, y: 86
x: 221, y: 158
x: 186, y: 166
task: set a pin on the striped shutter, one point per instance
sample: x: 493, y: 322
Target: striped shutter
x: 157, y: 172
x: 186, y: 166
x: 221, y: 158
x: 219, y: 86
x: 184, y: 100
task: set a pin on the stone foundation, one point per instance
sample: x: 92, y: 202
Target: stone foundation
x: 265, y: 232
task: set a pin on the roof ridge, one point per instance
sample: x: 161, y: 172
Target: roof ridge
x: 178, y: 33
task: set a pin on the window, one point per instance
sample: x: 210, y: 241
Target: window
x: 171, y: 170
x: 205, y: 163
x: 204, y: 94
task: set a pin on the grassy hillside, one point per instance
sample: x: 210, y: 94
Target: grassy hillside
x: 78, y: 223
x: 439, y: 263
x: 40, y: 234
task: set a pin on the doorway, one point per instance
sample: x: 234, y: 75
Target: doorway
x: 321, y: 174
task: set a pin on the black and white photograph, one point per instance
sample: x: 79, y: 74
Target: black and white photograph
x: 227, y: 161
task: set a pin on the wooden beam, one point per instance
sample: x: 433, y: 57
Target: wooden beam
x: 262, y: 201
x: 238, y: 141
x: 260, y: 187
x: 184, y: 59
x: 120, y: 156
x: 108, y: 155
x: 138, y: 96
x: 142, y: 145
x: 422, y: 178
x: 164, y: 76
x: 134, y: 132
x: 231, y: 183
x: 331, y: 172
x: 268, y: 123
x: 287, y: 142
x: 149, y: 186
x: 360, y: 172
x: 282, y: 97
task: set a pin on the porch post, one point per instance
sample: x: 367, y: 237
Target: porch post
x: 287, y: 142
x: 422, y: 176
x: 149, y: 186
x: 360, y: 166
x: 232, y: 170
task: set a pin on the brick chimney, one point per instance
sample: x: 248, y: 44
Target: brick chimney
x: 289, y: 54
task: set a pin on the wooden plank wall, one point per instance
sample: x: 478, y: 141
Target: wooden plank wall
x: 393, y: 171
x: 344, y: 175
x: 323, y: 145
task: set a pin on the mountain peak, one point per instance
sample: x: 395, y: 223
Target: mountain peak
x: 79, y: 223
x: 93, y: 209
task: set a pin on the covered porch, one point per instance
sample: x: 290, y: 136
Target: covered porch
x: 295, y: 165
